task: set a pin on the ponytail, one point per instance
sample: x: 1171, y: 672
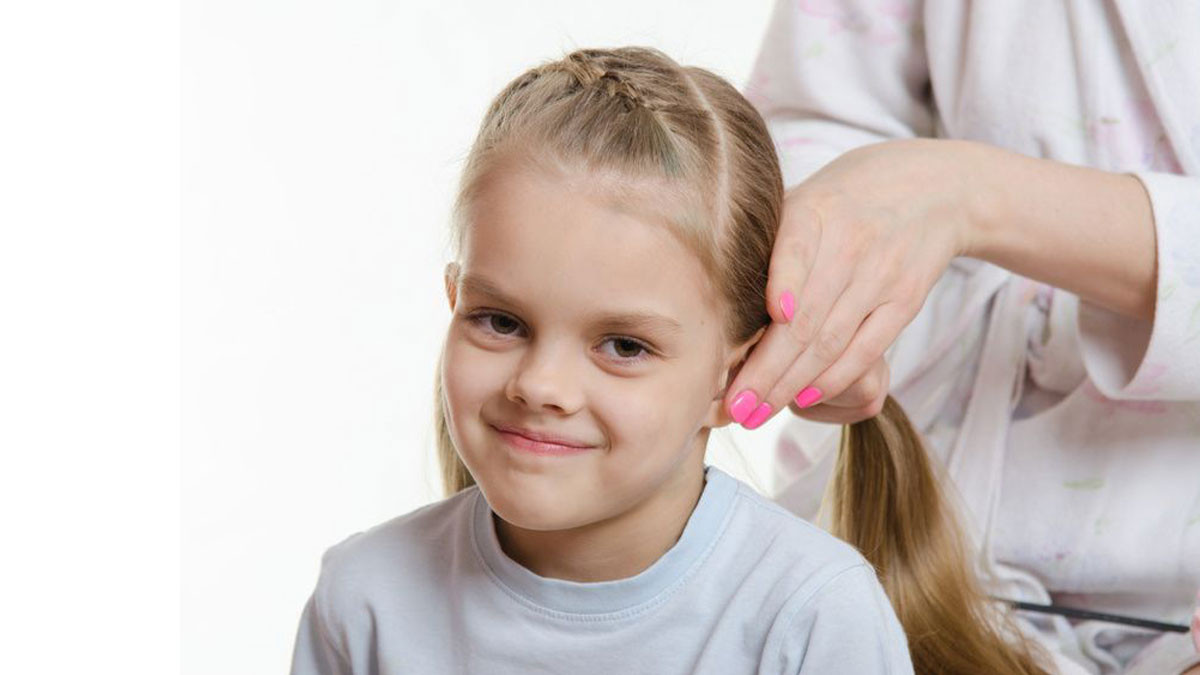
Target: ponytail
x: 887, y: 502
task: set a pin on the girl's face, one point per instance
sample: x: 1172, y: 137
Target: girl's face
x: 578, y: 319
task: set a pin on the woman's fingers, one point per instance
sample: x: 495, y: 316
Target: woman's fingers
x: 749, y: 399
x: 862, y: 400
x: 860, y: 243
x: 817, y: 377
x: 795, y: 252
x: 852, y: 377
x: 828, y: 345
x: 806, y: 278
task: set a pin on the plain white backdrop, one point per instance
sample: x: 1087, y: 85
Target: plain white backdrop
x: 322, y: 142
x: 89, y: 337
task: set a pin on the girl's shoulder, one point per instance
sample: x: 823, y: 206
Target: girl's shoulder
x: 408, y: 546
x: 817, y: 586
x: 788, y: 542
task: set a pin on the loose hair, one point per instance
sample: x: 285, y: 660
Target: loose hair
x: 633, y: 113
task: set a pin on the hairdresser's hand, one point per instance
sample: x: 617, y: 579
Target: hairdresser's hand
x: 861, y: 243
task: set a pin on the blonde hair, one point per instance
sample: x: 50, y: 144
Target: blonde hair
x: 634, y: 112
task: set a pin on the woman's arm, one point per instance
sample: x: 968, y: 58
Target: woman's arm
x: 1127, y: 245
x: 1086, y: 231
x: 863, y: 240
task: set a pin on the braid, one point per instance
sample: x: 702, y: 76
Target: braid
x: 586, y: 68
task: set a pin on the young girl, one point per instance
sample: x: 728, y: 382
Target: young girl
x: 613, y: 228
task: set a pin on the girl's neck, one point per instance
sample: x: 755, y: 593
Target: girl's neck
x: 615, y: 548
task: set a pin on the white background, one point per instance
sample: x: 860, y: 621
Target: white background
x: 89, y: 337
x: 285, y: 320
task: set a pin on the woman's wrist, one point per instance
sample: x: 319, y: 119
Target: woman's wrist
x: 981, y: 204
x: 1087, y: 231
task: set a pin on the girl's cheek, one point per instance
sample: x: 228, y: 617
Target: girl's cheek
x: 630, y: 408
x: 472, y: 373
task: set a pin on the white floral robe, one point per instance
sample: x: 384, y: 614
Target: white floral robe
x: 1071, y: 433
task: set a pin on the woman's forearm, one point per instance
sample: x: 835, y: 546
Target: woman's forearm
x: 1086, y: 231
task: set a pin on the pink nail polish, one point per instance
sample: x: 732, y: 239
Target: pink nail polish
x: 788, y: 304
x: 808, y: 396
x: 759, y: 416
x: 743, y: 404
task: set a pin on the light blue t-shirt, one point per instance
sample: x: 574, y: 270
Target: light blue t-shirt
x: 747, y: 588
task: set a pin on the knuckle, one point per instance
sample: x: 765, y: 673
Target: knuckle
x: 860, y: 239
x: 796, y: 249
x: 872, y: 388
x: 868, y: 411
x: 828, y: 346
x: 908, y: 295
x: 800, y: 329
x: 802, y: 216
x: 875, y: 407
x: 894, y: 258
x: 874, y: 349
x: 814, y: 197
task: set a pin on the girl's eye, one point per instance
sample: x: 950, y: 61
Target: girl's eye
x: 628, y: 349
x: 504, y: 325
x: 494, y: 322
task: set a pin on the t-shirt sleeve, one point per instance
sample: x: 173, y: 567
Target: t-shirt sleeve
x: 327, y: 622
x: 834, y: 76
x: 1132, y: 359
x: 315, y: 653
x: 846, y: 626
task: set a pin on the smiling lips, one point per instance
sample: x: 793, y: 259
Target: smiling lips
x: 540, y: 443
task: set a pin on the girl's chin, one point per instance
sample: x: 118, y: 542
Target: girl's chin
x: 535, y: 525
x: 535, y: 510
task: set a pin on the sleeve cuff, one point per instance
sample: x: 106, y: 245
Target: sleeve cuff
x: 1132, y: 359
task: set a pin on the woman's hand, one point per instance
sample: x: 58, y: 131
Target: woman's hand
x: 861, y: 243
x: 861, y: 400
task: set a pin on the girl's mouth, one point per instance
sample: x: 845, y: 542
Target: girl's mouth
x: 538, y: 447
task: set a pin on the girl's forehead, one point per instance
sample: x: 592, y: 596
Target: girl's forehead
x: 550, y: 238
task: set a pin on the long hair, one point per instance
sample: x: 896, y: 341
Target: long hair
x: 635, y: 113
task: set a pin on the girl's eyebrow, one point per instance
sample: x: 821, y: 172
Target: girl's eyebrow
x: 635, y: 321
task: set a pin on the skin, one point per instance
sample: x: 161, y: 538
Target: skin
x: 863, y: 240
x: 562, y: 251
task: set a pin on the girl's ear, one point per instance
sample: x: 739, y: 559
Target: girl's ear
x: 718, y: 416
x: 451, y: 281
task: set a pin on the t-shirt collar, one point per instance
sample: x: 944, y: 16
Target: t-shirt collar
x: 628, y: 595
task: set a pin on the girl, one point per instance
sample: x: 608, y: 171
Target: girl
x: 613, y: 228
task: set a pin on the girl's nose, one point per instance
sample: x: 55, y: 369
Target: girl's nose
x: 547, y: 379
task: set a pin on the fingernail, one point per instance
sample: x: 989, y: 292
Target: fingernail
x: 808, y: 396
x: 759, y: 416
x: 743, y: 404
x: 788, y: 304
